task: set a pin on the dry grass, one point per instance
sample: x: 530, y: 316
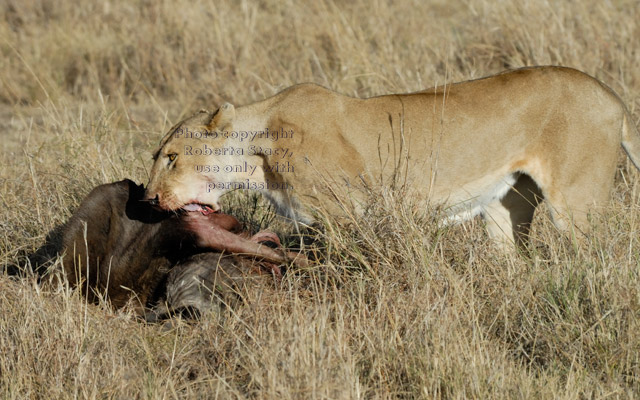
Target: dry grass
x: 398, y: 308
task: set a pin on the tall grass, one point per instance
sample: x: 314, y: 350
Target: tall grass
x: 398, y: 307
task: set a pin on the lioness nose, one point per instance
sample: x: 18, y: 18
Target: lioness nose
x: 154, y: 201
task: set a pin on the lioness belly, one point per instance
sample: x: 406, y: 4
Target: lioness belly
x: 473, y: 199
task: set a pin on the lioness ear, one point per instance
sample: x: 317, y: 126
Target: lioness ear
x: 223, y: 117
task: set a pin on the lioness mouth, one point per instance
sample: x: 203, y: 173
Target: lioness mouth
x: 203, y: 208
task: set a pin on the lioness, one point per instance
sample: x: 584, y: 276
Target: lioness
x: 491, y: 146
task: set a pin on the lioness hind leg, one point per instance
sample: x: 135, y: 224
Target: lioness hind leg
x: 570, y: 217
x: 570, y: 207
x: 509, y: 219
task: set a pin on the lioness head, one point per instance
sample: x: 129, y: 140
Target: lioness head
x: 191, y: 168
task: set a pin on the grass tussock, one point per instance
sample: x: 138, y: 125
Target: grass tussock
x: 397, y: 307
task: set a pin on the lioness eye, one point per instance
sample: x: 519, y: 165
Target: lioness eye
x: 172, y: 157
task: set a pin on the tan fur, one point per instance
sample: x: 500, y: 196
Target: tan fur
x: 490, y: 146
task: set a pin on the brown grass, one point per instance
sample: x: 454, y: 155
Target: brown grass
x: 399, y: 308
